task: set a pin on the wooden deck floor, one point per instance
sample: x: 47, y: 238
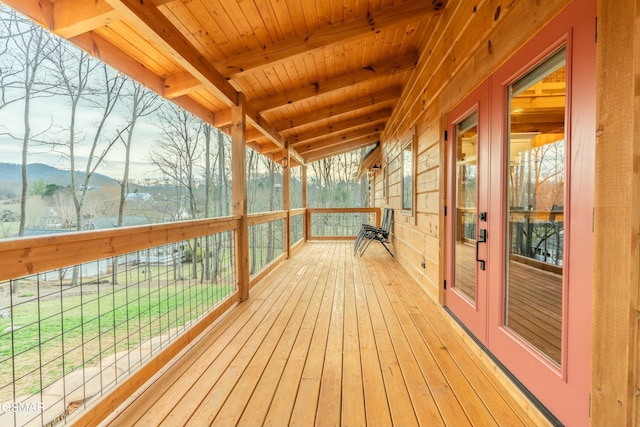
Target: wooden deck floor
x: 329, y: 339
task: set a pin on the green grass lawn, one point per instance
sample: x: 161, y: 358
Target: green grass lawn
x: 70, y: 331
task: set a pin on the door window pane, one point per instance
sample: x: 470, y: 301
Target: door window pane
x: 466, y: 205
x: 407, y: 178
x: 535, y: 206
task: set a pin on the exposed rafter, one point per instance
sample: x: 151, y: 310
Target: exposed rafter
x: 335, y: 127
x: 321, y: 143
x: 328, y: 36
x: 163, y: 32
x: 72, y: 17
x: 390, y: 66
x: 202, y: 58
x: 180, y: 84
x: 147, y: 17
x: 343, y: 148
x: 375, y: 101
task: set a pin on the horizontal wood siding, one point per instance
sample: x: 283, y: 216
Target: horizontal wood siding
x: 492, y: 31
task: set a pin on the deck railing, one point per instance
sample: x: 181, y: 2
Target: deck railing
x: 297, y: 226
x: 266, y: 242
x: 83, y: 312
x: 80, y: 312
x: 339, y: 223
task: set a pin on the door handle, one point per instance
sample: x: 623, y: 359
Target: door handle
x: 482, y: 238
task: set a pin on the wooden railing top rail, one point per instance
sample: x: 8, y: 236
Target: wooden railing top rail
x: 24, y: 256
x: 341, y: 210
x: 519, y: 214
x: 261, y: 218
x: 298, y: 211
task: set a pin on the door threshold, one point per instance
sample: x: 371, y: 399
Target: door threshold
x: 532, y: 398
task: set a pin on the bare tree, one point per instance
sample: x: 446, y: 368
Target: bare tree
x: 25, y: 48
x: 177, y: 156
x: 207, y: 130
x: 537, y: 184
x: 61, y: 200
x: 11, y: 69
x: 251, y: 198
x: 85, y: 81
x: 272, y: 205
x: 143, y: 104
x: 223, y: 202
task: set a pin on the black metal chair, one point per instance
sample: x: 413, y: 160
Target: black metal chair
x: 369, y: 233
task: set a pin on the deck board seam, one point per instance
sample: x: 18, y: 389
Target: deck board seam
x: 298, y: 311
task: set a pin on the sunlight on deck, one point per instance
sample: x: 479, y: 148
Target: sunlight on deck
x: 329, y: 339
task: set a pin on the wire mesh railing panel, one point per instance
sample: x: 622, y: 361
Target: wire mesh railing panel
x: 296, y: 229
x: 539, y: 240
x: 266, y: 244
x: 68, y: 335
x: 339, y: 224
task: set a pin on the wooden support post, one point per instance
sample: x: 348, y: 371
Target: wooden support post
x: 286, y: 199
x: 239, y: 191
x: 616, y: 220
x: 307, y: 217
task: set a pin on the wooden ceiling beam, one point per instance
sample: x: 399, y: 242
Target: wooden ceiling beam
x: 374, y: 158
x: 321, y: 143
x: 524, y: 102
x: 102, y: 49
x: 73, y: 17
x: 98, y: 47
x: 338, y: 33
x: 195, y: 108
x: 378, y: 100
x: 342, y: 148
x: 269, y: 131
x: 261, y: 124
x: 180, y: 84
x: 267, y: 147
x: 223, y: 118
x: 146, y: 17
x: 293, y: 154
x: 335, y: 127
x: 385, y: 68
x: 40, y: 12
x: 255, y: 135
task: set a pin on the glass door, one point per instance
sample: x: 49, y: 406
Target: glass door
x: 542, y: 158
x: 536, y: 197
x: 466, y: 212
x: 519, y: 246
x: 466, y: 290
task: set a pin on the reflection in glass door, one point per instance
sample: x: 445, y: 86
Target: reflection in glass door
x: 467, y: 261
x: 466, y: 177
x: 535, y: 206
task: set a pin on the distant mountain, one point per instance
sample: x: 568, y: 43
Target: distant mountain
x: 11, y: 175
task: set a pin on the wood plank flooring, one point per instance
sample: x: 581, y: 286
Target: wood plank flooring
x: 329, y: 339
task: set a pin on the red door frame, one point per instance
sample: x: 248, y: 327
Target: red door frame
x: 472, y: 314
x: 563, y: 390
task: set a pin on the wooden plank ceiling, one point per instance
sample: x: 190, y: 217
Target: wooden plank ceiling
x: 322, y: 76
